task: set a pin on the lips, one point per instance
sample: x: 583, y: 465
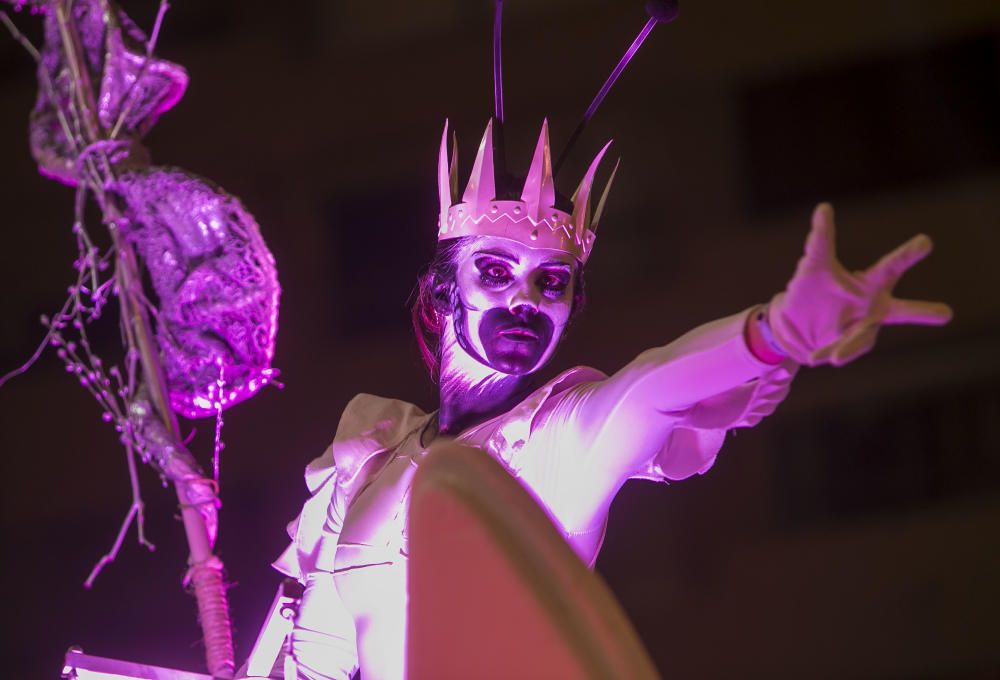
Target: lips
x: 519, y: 334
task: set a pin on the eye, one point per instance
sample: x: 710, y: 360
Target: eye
x: 493, y: 273
x: 553, y: 284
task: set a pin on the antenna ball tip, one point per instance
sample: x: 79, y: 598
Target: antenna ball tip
x: 664, y: 11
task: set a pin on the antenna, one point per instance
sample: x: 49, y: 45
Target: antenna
x: 499, y: 156
x: 659, y: 11
x: 497, y: 63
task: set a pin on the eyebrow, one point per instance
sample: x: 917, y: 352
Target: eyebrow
x: 503, y: 254
x: 499, y: 253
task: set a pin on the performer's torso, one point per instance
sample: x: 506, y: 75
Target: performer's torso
x: 370, y: 562
x: 369, y: 565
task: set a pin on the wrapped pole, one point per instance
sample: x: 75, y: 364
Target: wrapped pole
x: 196, y: 496
x: 206, y: 569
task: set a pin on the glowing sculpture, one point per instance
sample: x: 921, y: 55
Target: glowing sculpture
x: 216, y: 284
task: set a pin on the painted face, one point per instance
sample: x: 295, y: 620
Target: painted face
x: 514, y: 303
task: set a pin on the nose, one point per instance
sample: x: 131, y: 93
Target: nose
x: 524, y: 312
x: 524, y: 302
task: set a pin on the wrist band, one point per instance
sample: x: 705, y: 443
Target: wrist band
x: 766, y: 333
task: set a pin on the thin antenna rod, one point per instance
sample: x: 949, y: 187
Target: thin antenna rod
x: 499, y: 155
x: 497, y: 64
x: 659, y: 12
x: 622, y: 63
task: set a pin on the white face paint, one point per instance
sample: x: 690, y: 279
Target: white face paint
x: 516, y: 301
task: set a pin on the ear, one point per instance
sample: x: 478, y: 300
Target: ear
x: 443, y: 294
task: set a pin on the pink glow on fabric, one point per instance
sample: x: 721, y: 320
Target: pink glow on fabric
x: 214, y: 277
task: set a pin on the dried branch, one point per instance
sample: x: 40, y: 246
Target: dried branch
x: 129, y: 99
x: 18, y: 36
x: 135, y: 512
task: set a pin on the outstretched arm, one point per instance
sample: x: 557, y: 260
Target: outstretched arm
x: 710, y: 378
x: 707, y: 379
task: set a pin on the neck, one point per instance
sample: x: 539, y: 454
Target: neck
x: 472, y: 392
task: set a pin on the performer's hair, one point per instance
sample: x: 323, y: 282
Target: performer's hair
x: 434, y: 298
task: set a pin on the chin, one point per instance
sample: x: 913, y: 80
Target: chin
x: 514, y: 368
x: 521, y: 360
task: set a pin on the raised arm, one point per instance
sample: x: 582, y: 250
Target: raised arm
x: 668, y: 380
x: 706, y: 379
x: 665, y: 413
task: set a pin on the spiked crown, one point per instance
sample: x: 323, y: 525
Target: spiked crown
x: 533, y: 220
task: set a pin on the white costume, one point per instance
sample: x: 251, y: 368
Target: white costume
x: 572, y: 443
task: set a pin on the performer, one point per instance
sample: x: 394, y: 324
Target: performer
x: 492, y: 307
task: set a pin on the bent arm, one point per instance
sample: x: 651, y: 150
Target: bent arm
x: 663, y: 416
x: 708, y: 380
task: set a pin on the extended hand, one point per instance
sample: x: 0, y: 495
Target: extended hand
x: 830, y: 315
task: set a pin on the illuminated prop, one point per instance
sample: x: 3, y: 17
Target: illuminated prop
x: 533, y: 220
x: 216, y: 284
x: 216, y: 290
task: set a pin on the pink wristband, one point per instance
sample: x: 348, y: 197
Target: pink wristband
x: 760, y: 317
x: 760, y: 339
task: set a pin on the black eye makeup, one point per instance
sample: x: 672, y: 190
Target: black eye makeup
x: 553, y: 283
x: 497, y: 273
x: 493, y: 273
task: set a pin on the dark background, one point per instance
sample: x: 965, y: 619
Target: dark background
x: 854, y: 534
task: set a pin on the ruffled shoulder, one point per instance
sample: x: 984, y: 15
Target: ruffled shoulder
x: 369, y: 425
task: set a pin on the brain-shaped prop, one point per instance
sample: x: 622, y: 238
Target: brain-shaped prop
x: 215, y: 280
x: 216, y: 283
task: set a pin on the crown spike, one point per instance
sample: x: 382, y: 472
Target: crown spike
x: 445, y: 174
x: 604, y: 197
x: 481, y: 188
x: 581, y: 197
x: 539, y: 188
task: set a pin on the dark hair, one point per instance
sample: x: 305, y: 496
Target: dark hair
x: 434, y: 298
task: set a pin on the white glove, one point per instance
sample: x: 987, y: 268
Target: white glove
x: 830, y: 315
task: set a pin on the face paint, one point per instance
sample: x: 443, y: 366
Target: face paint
x: 513, y: 303
x: 515, y: 341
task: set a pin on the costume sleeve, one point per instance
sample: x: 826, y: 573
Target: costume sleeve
x: 664, y: 416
